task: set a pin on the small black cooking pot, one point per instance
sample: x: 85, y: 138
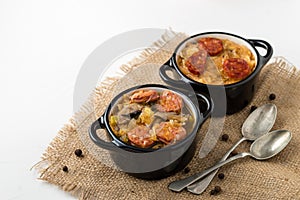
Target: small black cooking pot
x: 232, y: 97
x: 150, y: 163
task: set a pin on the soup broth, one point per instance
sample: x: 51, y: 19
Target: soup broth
x: 151, y: 118
x: 215, y: 61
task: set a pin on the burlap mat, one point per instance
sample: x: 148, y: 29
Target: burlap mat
x: 93, y: 176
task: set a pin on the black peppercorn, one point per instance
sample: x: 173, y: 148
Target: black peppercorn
x: 221, y: 176
x: 252, y: 108
x: 65, y: 169
x: 272, y: 96
x: 78, y: 152
x: 213, y: 192
x: 218, y: 189
x: 186, y: 170
x: 225, y: 137
x: 233, y: 153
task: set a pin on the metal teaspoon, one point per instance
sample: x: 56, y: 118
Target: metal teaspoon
x: 262, y: 148
x: 258, y: 123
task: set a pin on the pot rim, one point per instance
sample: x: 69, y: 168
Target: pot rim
x: 122, y: 145
x: 252, y: 75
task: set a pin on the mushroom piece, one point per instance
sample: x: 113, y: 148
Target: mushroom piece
x: 125, y: 114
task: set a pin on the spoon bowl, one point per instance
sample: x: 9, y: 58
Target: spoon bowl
x: 259, y: 122
x: 270, y: 144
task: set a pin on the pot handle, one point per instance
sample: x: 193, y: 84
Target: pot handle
x: 208, y: 106
x: 168, y: 66
x: 99, y: 124
x: 265, y: 45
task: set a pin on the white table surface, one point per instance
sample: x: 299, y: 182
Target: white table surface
x: 43, y: 45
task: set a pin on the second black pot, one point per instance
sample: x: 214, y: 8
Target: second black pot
x: 151, y: 163
x: 228, y: 99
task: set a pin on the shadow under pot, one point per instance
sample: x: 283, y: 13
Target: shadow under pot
x: 222, y: 65
x: 151, y: 129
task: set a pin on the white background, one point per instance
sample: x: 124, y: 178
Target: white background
x: 44, y: 43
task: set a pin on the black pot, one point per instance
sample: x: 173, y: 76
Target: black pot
x: 150, y: 163
x: 229, y: 98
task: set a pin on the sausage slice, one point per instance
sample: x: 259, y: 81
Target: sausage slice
x: 213, y: 46
x: 196, y: 63
x: 140, y: 136
x: 168, y: 132
x: 236, y: 68
x: 170, y: 102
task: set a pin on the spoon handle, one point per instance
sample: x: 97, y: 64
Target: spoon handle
x: 200, y: 186
x: 179, y: 185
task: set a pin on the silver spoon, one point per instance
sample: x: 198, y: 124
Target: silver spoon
x: 262, y: 148
x: 258, y: 123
